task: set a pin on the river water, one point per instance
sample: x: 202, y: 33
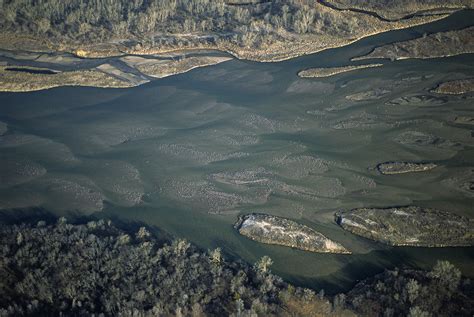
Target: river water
x: 189, y: 153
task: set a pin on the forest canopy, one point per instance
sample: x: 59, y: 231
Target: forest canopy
x: 98, y: 268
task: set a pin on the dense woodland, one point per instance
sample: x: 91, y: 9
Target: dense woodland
x: 151, y: 21
x: 98, y: 268
x: 440, y: 292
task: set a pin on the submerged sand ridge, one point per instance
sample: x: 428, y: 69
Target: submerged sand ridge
x: 392, y: 168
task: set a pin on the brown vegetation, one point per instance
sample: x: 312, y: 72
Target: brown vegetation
x: 264, y: 31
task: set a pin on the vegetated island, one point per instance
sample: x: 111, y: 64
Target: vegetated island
x: 275, y: 230
x: 392, y: 168
x: 455, y: 87
x: 464, y: 120
x: 409, y: 226
x: 257, y: 30
x: 331, y: 71
x: 441, y: 44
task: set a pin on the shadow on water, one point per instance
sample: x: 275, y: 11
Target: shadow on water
x: 340, y: 281
x: 31, y: 70
x: 35, y: 214
x: 26, y: 215
x: 352, y: 268
x: 363, y: 266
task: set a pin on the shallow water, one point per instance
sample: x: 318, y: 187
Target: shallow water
x: 190, y: 152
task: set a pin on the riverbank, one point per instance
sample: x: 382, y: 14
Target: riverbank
x: 436, y: 45
x: 276, y: 43
x: 280, y: 46
x: 108, y: 76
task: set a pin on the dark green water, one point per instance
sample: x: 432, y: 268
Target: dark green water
x: 165, y: 153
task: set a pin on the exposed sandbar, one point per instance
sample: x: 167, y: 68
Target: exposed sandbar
x: 274, y: 230
x: 331, y: 71
x: 163, y: 68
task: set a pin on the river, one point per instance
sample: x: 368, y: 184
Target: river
x: 189, y: 153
